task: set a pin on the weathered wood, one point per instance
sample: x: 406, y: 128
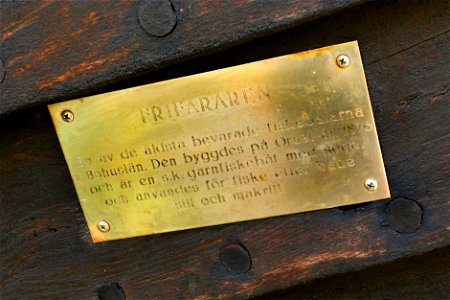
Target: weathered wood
x: 419, y: 277
x: 46, y: 251
x: 55, y: 50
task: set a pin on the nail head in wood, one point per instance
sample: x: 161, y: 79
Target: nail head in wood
x: 157, y: 17
x: 236, y: 259
x: 404, y: 215
x: 111, y: 292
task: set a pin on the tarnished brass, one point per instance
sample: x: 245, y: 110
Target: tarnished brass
x: 279, y: 136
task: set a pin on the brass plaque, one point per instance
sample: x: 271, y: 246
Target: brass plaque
x: 274, y: 137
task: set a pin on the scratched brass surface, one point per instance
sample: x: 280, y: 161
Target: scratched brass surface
x: 279, y: 136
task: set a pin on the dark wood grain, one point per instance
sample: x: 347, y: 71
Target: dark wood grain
x: 418, y: 277
x: 46, y: 251
x: 55, y: 50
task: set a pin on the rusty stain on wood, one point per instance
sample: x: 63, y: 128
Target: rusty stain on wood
x: 81, y: 68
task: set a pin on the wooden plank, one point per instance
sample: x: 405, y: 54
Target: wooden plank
x: 55, y: 50
x: 44, y: 235
x: 418, y: 277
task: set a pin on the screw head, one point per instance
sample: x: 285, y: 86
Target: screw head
x: 371, y: 184
x: 343, y: 61
x: 103, y: 226
x: 67, y: 116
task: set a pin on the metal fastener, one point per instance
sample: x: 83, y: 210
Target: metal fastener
x: 157, y: 17
x: 404, y: 215
x: 67, y: 116
x: 111, y: 291
x: 371, y: 184
x: 103, y: 226
x: 343, y: 61
x: 236, y: 259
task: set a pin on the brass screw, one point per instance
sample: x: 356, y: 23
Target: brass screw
x: 371, y: 184
x: 343, y: 61
x: 103, y: 226
x: 67, y: 116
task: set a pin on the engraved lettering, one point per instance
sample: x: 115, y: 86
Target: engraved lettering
x: 156, y: 112
x: 102, y: 188
x: 316, y: 120
x: 223, y: 147
x: 213, y: 199
x: 191, y: 108
x: 125, y: 184
x: 233, y: 98
x: 112, y: 172
x: 263, y: 93
x: 185, y: 203
x: 106, y: 158
x: 259, y: 146
x: 247, y: 92
x: 292, y: 171
x: 128, y: 153
x: 224, y: 100
x: 121, y: 199
x: 172, y: 176
x: 158, y: 163
x: 221, y: 101
x: 302, y: 154
x: 164, y: 147
x: 341, y: 148
x: 169, y: 192
x: 231, y: 166
x: 247, y: 132
x: 204, y: 104
x: 147, y: 180
x: 214, y: 184
x: 249, y: 178
x: 258, y: 192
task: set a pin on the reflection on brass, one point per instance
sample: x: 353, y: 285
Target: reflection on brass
x: 67, y: 116
x: 103, y: 226
x: 371, y: 184
x: 279, y: 136
x: 343, y: 61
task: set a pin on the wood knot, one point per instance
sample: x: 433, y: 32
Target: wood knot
x: 404, y: 215
x: 236, y: 259
x: 157, y: 17
x: 111, y: 292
